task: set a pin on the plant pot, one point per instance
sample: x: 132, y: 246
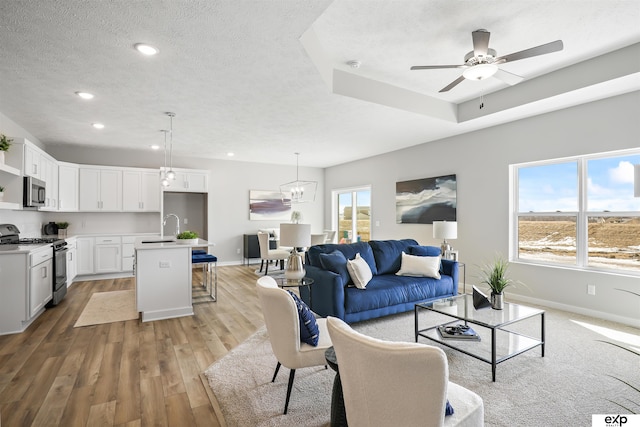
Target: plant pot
x: 62, y: 233
x: 187, y: 241
x: 1, y: 157
x: 497, y: 301
x: 1, y: 196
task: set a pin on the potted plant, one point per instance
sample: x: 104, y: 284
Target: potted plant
x: 296, y: 217
x: 495, y: 276
x: 62, y: 229
x: 187, y: 238
x: 5, y: 143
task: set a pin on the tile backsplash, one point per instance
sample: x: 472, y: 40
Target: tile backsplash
x: 28, y: 222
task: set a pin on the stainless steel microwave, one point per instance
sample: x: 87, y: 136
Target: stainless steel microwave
x: 34, y: 192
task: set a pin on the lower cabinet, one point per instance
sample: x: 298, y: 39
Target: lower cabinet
x: 108, y: 258
x: 40, y: 280
x: 84, y: 247
x: 102, y: 254
x: 72, y: 260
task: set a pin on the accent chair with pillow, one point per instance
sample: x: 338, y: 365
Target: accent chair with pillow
x: 298, y: 339
x: 388, y: 383
x: 364, y: 280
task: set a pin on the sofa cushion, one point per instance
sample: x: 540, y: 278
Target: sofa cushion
x: 389, y: 290
x: 420, y: 266
x: 337, y: 263
x: 349, y: 251
x: 419, y: 250
x: 309, y: 331
x: 359, y: 271
x: 387, y: 254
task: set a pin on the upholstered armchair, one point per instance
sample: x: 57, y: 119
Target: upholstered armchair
x: 269, y: 255
x: 283, y: 326
x: 398, y: 383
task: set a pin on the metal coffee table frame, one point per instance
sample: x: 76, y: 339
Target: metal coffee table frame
x: 461, y: 309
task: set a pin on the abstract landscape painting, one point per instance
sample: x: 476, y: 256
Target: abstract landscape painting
x: 268, y: 205
x: 422, y: 201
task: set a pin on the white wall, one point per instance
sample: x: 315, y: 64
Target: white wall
x: 481, y: 162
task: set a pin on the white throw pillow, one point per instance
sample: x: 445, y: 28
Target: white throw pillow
x: 359, y: 271
x: 420, y: 266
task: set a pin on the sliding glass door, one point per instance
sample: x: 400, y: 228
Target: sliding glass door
x: 352, y: 214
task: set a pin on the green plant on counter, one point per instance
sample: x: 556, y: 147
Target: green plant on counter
x: 5, y: 143
x: 62, y: 225
x: 1, y: 189
x: 187, y: 235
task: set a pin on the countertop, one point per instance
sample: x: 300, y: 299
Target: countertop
x: 168, y: 245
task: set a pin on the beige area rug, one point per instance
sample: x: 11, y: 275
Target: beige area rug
x: 564, y: 388
x: 108, y: 307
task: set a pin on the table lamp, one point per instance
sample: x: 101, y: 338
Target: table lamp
x: 445, y: 230
x: 297, y: 236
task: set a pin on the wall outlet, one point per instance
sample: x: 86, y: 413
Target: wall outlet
x: 591, y: 289
x: 377, y: 223
x: 186, y: 221
x: 238, y: 251
x: 165, y: 264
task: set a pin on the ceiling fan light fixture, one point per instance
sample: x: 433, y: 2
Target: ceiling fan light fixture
x: 146, y: 49
x: 480, y: 71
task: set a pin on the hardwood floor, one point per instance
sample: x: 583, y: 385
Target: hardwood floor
x: 124, y: 373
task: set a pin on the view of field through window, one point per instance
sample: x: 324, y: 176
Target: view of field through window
x: 358, y: 225
x: 548, y: 206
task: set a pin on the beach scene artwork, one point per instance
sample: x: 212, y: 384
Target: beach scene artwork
x: 422, y: 201
x: 268, y: 205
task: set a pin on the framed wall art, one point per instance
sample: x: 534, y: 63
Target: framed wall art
x: 268, y: 205
x: 422, y: 201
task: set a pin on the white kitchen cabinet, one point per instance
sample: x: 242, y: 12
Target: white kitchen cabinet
x: 68, y: 187
x: 32, y: 161
x: 190, y: 181
x: 140, y: 191
x: 72, y: 260
x: 84, y: 247
x: 100, y: 189
x: 128, y: 253
x: 40, y: 280
x: 107, y: 254
x: 49, y: 174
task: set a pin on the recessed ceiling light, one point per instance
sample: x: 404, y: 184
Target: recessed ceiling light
x: 155, y: 147
x: 230, y: 154
x: 97, y: 125
x: 146, y: 49
x: 85, y: 95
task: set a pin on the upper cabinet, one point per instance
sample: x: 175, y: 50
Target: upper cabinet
x: 32, y: 165
x: 68, y: 174
x: 140, y: 190
x: 49, y: 174
x: 189, y: 180
x: 100, y: 189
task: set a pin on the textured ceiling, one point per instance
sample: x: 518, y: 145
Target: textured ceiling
x: 240, y: 79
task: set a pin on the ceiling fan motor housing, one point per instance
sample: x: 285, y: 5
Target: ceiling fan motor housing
x: 470, y: 59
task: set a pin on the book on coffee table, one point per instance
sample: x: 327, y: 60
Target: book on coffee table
x: 458, y: 332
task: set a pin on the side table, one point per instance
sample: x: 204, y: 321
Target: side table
x: 338, y: 412
x: 305, y: 281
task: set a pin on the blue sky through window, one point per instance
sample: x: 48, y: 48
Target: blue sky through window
x: 554, y: 187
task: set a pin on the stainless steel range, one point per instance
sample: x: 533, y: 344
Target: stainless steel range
x: 10, y: 235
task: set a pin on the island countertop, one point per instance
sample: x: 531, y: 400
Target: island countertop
x: 143, y: 243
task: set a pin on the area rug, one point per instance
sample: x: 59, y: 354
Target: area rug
x: 565, y: 387
x: 108, y: 307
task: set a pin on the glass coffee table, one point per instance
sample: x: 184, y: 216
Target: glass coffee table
x: 497, y: 343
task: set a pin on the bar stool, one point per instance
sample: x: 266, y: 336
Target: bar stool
x: 209, y: 283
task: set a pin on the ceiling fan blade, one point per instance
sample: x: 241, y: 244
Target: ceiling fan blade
x: 507, y: 77
x: 534, y: 51
x: 480, y: 42
x: 452, y: 84
x: 436, y: 67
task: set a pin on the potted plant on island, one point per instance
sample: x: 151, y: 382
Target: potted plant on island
x: 187, y: 238
x: 5, y: 143
x: 62, y: 229
x: 495, y: 276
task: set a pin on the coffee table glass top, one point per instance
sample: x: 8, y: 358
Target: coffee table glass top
x: 461, y: 307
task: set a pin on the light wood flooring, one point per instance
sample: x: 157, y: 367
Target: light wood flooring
x: 126, y: 373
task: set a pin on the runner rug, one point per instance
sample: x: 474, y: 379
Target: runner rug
x: 108, y: 307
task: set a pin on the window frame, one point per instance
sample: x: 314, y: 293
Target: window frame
x: 335, y: 214
x: 582, y: 215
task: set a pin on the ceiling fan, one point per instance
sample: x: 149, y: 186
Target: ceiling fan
x: 482, y: 62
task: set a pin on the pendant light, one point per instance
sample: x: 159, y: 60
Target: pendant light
x: 298, y: 191
x: 170, y: 174
x: 164, y: 181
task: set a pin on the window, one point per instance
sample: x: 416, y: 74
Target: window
x: 352, y: 214
x: 580, y: 212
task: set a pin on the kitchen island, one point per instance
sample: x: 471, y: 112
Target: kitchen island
x: 163, y: 277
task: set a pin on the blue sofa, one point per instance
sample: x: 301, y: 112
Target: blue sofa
x: 333, y: 294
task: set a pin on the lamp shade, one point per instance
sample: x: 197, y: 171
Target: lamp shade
x: 445, y: 230
x: 636, y: 181
x: 295, y: 235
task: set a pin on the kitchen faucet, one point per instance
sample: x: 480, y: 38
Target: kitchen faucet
x: 164, y: 222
